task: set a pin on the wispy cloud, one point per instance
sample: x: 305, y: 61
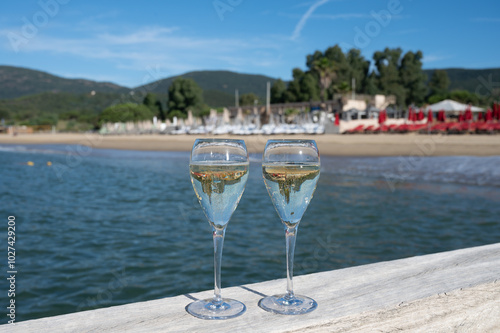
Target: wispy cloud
x: 305, y: 17
x: 434, y: 58
x: 345, y: 16
x: 167, y: 47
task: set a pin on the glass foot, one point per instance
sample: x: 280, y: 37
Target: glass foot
x: 288, y: 306
x: 208, y: 309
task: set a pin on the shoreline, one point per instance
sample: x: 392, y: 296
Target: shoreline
x: 328, y: 144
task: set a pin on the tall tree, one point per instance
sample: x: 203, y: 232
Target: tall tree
x: 161, y: 112
x: 439, y: 82
x: 358, y: 69
x: 326, y: 70
x: 155, y: 105
x: 184, y: 94
x: 413, y: 78
x: 371, y: 84
x: 388, y: 79
x: 278, y: 91
x: 293, y: 93
x: 309, y: 88
x: 342, y: 66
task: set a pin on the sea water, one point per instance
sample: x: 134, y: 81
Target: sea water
x: 100, y: 227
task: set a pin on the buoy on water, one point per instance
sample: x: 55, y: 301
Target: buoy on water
x: 30, y: 163
x: 49, y: 163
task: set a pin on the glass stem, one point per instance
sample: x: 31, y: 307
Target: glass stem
x: 218, y: 235
x: 290, y: 234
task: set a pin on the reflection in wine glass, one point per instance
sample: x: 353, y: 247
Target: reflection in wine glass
x: 219, y: 172
x: 291, y: 171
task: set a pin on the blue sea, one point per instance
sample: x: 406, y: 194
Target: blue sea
x: 98, y: 227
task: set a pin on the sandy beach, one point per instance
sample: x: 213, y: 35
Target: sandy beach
x: 330, y: 144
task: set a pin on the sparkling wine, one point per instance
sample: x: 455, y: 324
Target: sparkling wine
x: 219, y: 188
x: 291, y: 187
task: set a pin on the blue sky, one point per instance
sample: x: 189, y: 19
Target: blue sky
x: 132, y: 42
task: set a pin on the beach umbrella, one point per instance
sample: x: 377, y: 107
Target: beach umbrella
x: 381, y: 117
x: 443, y: 116
x: 337, y: 119
x: 429, y: 116
x: 480, y: 116
x: 449, y: 105
x: 410, y: 116
x: 421, y: 115
x: 488, y: 116
x: 468, y: 114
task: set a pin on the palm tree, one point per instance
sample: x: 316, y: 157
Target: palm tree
x: 327, y: 71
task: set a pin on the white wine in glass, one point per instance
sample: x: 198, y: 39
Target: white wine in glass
x: 219, y: 172
x: 290, y: 169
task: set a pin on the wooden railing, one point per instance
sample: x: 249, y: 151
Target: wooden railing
x: 443, y: 292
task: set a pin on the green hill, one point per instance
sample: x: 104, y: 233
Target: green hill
x: 17, y: 82
x: 217, y: 81
x: 36, y: 97
x: 46, y: 108
x: 471, y: 79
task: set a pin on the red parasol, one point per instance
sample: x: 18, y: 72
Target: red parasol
x: 410, y: 113
x: 488, y: 116
x: 460, y: 117
x: 468, y: 114
x: 429, y: 116
x: 421, y: 115
x: 441, y: 116
x: 479, y: 116
x: 382, y: 117
x: 337, y: 119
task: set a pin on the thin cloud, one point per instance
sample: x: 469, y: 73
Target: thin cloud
x: 167, y: 47
x: 305, y: 17
x: 346, y: 16
x: 434, y: 58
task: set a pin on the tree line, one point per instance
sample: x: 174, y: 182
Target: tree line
x: 391, y: 73
x: 329, y: 72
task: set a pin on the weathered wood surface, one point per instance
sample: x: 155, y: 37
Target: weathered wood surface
x: 443, y: 292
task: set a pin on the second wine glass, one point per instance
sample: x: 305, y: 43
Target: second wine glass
x: 291, y: 171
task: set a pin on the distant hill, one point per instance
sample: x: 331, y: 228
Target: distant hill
x: 48, y: 105
x: 469, y: 79
x: 217, y: 82
x: 17, y: 82
x: 218, y: 86
x: 26, y: 94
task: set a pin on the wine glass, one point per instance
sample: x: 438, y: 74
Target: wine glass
x: 291, y: 170
x: 219, y: 173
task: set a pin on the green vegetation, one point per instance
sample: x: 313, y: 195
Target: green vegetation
x: 155, y: 105
x: 126, y: 112
x: 184, y: 95
x: 249, y: 99
x: 221, y: 81
x: 395, y: 74
x: 36, y: 98
x: 17, y: 82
